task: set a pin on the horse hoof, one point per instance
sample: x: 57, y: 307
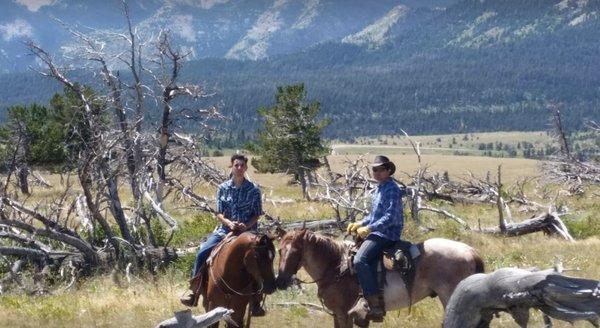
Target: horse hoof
x: 258, y: 312
x: 362, y: 323
x: 376, y: 318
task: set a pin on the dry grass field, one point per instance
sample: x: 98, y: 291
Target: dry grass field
x: 465, y: 143
x: 99, y: 301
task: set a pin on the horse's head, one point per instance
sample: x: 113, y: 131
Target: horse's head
x: 290, y: 257
x: 263, y: 253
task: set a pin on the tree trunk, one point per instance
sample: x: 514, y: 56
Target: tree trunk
x: 115, y: 201
x: 86, y: 185
x: 302, y: 178
x: 163, y: 140
x: 477, y: 298
x: 499, y: 202
x: 546, y: 222
x: 23, y: 174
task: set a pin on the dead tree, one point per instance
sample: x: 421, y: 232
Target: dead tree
x: 549, y: 223
x: 564, y: 166
x: 115, y: 148
x: 479, y: 297
x: 152, y: 67
x: 16, y: 149
x: 169, y: 61
x: 347, y: 193
x: 418, y: 189
x: 22, y: 166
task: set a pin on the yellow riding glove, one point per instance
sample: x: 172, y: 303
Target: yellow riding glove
x: 352, y: 227
x: 363, y: 232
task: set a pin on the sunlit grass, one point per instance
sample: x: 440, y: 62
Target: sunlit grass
x: 99, y: 302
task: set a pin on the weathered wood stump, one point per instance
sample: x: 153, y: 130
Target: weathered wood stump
x: 184, y: 319
x: 480, y: 296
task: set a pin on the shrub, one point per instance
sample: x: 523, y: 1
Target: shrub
x: 192, y: 231
x: 583, y: 227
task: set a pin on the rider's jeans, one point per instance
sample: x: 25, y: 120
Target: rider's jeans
x: 204, y: 251
x: 365, y: 262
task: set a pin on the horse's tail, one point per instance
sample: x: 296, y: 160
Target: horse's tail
x: 479, y: 265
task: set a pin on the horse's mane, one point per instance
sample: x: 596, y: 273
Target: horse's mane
x: 331, y: 249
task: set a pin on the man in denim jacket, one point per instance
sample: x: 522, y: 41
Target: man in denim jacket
x: 380, y: 230
x: 238, y: 209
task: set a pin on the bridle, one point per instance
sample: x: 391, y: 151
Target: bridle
x: 299, y: 265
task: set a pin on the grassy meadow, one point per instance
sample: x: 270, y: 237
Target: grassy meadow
x: 112, y: 301
x: 449, y: 144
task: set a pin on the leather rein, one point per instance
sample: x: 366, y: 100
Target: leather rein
x: 221, y: 282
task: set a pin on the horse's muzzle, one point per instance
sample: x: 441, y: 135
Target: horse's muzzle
x: 270, y: 287
x: 283, y: 280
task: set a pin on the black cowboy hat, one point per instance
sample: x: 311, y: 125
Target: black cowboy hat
x: 381, y: 160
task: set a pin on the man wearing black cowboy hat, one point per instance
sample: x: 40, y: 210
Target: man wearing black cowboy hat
x: 380, y: 230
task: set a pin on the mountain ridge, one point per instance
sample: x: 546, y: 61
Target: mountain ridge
x: 470, y: 66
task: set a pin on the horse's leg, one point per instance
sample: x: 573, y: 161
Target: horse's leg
x: 239, y: 311
x: 443, y: 290
x: 444, y: 297
x: 208, y: 307
x: 342, y: 320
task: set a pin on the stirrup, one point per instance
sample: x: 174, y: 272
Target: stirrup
x: 360, y: 310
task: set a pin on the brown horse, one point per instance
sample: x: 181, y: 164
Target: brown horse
x: 443, y: 264
x: 239, y: 269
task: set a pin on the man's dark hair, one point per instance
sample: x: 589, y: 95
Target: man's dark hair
x: 239, y: 157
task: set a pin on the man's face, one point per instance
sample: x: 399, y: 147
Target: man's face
x: 238, y: 168
x: 380, y: 173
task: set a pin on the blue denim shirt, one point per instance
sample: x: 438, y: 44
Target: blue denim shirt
x: 238, y: 204
x: 386, y: 218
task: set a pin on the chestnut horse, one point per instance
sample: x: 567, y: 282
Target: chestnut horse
x: 442, y: 265
x: 238, y: 270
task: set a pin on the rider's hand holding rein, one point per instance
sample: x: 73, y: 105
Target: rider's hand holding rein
x: 363, y: 232
x: 232, y: 225
x: 352, y: 227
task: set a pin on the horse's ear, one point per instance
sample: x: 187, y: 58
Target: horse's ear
x: 303, y: 224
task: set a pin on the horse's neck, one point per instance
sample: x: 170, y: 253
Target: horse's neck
x: 319, y: 259
x: 230, y: 260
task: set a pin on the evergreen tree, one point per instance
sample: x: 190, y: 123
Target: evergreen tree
x: 42, y: 136
x: 290, y: 140
x: 30, y: 137
x: 66, y: 111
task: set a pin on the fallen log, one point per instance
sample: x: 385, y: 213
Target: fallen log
x: 548, y: 222
x: 479, y: 297
x: 314, y: 225
x: 184, y: 319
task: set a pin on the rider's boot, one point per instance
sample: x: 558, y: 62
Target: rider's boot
x: 191, y: 296
x: 376, y: 310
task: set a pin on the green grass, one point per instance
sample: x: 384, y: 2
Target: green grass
x: 441, y: 144
x: 147, y: 300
